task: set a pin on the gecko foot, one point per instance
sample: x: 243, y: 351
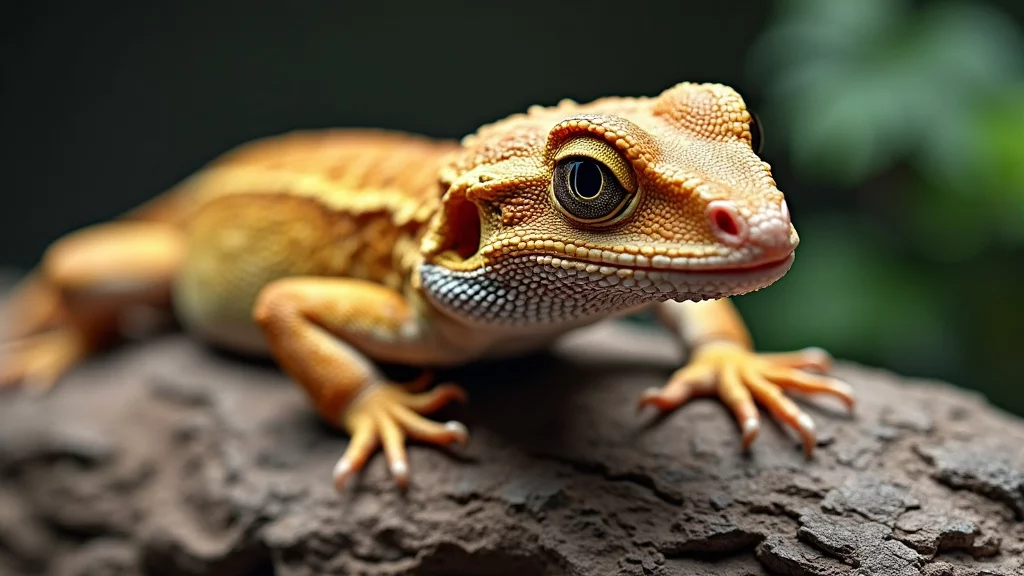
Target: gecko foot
x: 740, y: 377
x: 38, y: 361
x: 385, y: 415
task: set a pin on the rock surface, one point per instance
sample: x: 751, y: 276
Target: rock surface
x: 168, y: 458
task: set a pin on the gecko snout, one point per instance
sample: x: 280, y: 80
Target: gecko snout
x: 769, y: 229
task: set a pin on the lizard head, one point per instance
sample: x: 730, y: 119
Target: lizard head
x: 575, y: 211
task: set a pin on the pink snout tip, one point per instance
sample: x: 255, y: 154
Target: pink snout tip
x: 770, y: 231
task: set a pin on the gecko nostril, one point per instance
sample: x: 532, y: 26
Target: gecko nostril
x: 726, y: 222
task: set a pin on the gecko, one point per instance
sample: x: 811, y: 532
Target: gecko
x: 334, y: 251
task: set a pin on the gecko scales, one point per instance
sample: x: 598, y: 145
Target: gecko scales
x: 335, y: 250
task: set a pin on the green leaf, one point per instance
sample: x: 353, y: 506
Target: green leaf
x: 858, y: 87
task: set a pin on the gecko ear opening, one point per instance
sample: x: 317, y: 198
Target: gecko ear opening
x: 463, y: 228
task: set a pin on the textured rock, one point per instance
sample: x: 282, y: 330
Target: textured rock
x: 169, y: 458
x: 987, y: 472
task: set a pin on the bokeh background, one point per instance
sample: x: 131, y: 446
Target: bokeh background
x: 896, y: 128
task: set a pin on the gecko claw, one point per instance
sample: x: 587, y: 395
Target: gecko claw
x: 400, y: 472
x: 460, y: 435
x: 806, y: 429
x: 751, y: 428
x: 648, y: 397
x: 342, y: 472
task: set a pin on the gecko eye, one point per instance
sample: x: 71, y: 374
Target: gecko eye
x: 756, y: 138
x: 592, y: 182
x: 587, y: 191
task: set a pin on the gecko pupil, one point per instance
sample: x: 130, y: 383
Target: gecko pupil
x: 585, y: 178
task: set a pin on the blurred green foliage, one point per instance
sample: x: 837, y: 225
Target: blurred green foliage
x: 902, y: 127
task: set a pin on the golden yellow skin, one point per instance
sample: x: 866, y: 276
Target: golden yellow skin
x: 333, y: 249
x: 333, y: 203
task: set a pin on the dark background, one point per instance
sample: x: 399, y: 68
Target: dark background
x: 103, y: 107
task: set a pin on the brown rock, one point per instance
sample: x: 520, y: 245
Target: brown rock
x: 169, y: 458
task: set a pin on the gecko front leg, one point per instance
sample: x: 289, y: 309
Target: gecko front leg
x: 322, y: 332
x: 723, y: 363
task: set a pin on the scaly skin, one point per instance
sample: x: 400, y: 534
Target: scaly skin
x: 331, y: 250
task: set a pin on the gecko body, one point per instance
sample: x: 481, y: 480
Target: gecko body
x: 334, y: 250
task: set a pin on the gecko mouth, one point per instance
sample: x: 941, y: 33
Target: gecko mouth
x: 739, y: 269
x: 605, y: 266
x: 672, y: 283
